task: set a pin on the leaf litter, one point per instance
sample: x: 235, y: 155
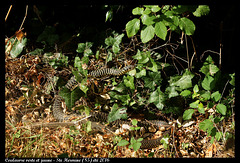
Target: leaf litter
x: 26, y: 100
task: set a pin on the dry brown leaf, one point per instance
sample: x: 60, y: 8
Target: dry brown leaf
x: 20, y: 34
x: 8, y: 47
x: 211, y: 150
x: 184, y: 152
x: 19, y: 101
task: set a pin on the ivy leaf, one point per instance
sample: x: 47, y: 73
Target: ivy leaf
x: 157, y: 97
x: 208, y: 83
x: 138, y: 56
x: 117, y: 113
x: 142, y: 57
x: 183, y: 82
x: 18, y: 47
x: 147, y: 34
x: 188, y: 114
x: 187, y: 26
x: 165, y: 141
x: 232, y: 82
x: 120, y: 88
x: 123, y: 98
x: 129, y: 82
x: 83, y: 85
x: 135, y: 144
x: 171, y: 90
x: 132, y: 27
x: 154, y: 67
x: 79, y: 64
x: 201, y: 10
x: 109, y: 41
x: 141, y: 73
x: 208, y: 67
x: 216, y: 96
x: 70, y: 97
x: 153, y: 79
x: 118, y: 40
x: 85, y: 48
x: 161, y: 30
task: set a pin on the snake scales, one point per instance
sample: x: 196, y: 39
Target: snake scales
x: 102, y: 117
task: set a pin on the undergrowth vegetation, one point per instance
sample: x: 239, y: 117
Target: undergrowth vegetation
x: 168, y: 82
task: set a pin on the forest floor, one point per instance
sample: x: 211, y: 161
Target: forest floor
x: 28, y: 101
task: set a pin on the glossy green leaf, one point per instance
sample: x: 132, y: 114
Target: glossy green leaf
x: 123, y: 142
x: 208, y: 83
x: 129, y: 82
x: 154, y: 66
x: 185, y: 93
x: 83, y: 85
x: 209, y: 68
x: 153, y: 79
x: 137, y: 11
x: 232, y: 82
x: 155, y: 8
x: 141, y: 73
x: 194, y: 104
x: 147, y: 19
x: 109, y: 15
x: 188, y: 114
x: 132, y: 27
x: 183, y: 82
x: 18, y: 47
x: 134, y: 122
x: 221, y: 109
x: 205, y: 96
x: 216, y: 96
x: 142, y: 57
x: 84, y: 46
x: 158, y: 98
x: 206, y: 125
x: 70, y: 97
x: 201, y: 10
x: 201, y: 108
x: 125, y: 99
x: 161, y: 30
x: 187, y: 26
x: 109, y: 41
x: 171, y: 91
x: 136, y: 146
x: 195, y: 88
x: 147, y: 34
x: 117, y: 113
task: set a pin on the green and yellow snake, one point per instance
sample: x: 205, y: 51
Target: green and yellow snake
x: 102, y: 117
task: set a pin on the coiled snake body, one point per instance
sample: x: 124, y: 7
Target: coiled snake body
x: 102, y: 117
